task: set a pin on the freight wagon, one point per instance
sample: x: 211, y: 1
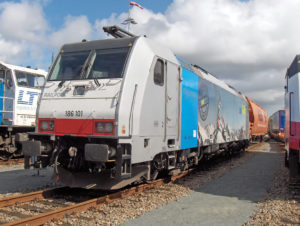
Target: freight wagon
x: 277, y: 125
x: 20, y: 88
x: 119, y: 111
x: 292, y: 104
x: 258, y: 120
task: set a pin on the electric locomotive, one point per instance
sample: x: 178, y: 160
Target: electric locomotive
x: 292, y: 122
x: 120, y: 111
x: 20, y: 88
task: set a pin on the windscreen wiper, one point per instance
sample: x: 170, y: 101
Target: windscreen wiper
x: 96, y: 82
x: 86, y: 64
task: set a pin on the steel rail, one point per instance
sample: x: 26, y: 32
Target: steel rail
x: 83, y: 206
x: 79, y: 207
x: 12, y: 161
x: 12, y: 200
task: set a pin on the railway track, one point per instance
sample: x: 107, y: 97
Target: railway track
x: 74, y: 207
x: 37, y: 203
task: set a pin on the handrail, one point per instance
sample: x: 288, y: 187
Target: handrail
x: 131, y: 110
x: 179, y: 103
x: 166, y: 101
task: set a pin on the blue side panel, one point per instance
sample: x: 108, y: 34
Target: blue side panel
x: 189, y: 109
x: 282, y: 120
x: 1, y: 102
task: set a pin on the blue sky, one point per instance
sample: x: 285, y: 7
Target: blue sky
x: 56, y: 10
x: 240, y: 41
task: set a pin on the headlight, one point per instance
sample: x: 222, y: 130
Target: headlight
x: 99, y: 127
x: 108, y: 127
x: 46, y: 125
x: 104, y: 127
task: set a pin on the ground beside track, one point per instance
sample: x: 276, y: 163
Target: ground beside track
x: 281, y: 206
x: 17, y: 180
x: 227, y: 200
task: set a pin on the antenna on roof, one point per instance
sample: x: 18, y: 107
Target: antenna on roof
x: 117, y: 32
x: 129, y: 19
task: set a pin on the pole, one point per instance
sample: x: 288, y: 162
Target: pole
x: 128, y: 16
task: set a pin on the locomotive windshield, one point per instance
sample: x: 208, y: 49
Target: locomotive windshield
x: 99, y: 64
x: 26, y: 79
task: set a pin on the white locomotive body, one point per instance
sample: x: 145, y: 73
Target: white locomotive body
x: 123, y: 110
x: 20, y: 89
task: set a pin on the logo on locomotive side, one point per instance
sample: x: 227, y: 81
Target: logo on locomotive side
x: 27, y: 98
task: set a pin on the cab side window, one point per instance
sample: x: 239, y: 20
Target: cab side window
x: 2, y: 76
x: 8, y: 81
x: 159, y: 73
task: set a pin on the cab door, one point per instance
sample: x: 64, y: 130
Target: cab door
x: 172, y: 103
x: 6, y: 97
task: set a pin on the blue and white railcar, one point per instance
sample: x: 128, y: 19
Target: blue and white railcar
x: 123, y: 110
x: 20, y: 88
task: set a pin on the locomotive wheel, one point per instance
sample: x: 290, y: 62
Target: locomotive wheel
x: 294, y: 165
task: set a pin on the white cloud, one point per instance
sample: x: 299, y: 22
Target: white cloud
x: 10, y: 50
x: 22, y: 31
x: 247, y: 43
x: 226, y: 31
x: 74, y: 30
x: 25, y: 35
x: 22, y: 21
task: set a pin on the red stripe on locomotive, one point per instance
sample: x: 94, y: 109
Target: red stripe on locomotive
x: 78, y: 127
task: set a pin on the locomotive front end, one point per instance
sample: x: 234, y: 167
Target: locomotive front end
x: 77, y: 116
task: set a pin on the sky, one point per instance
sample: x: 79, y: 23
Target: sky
x: 249, y: 44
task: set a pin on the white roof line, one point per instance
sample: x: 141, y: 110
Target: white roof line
x: 30, y: 70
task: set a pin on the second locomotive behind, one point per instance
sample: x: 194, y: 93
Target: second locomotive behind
x: 20, y: 89
x: 118, y: 111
